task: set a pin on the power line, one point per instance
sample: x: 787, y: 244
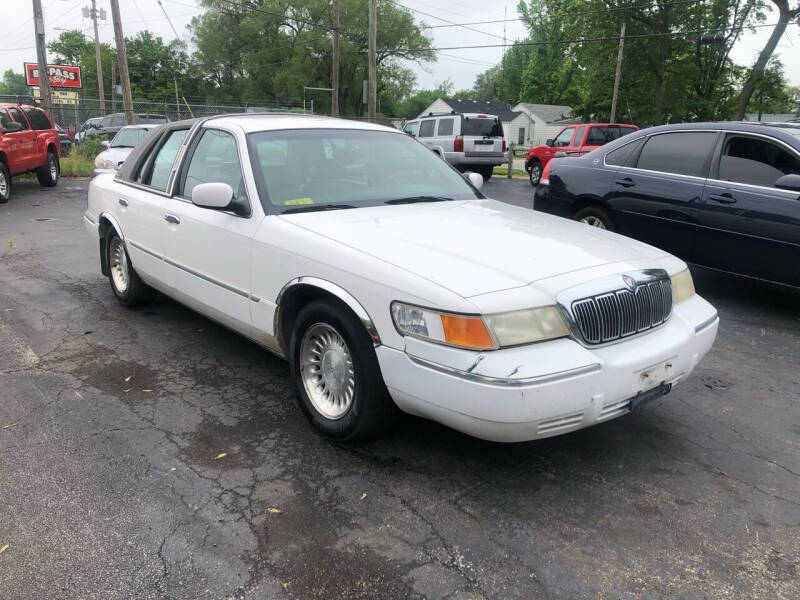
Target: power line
x: 451, y: 23
x: 164, y: 10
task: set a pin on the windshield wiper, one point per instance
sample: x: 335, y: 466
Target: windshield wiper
x: 415, y: 199
x: 316, y: 207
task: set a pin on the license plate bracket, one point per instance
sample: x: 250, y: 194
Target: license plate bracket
x: 648, y: 396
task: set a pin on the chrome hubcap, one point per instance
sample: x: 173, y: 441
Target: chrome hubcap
x: 119, y: 265
x: 594, y: 222
x: 53, y: 170
x: 536, y: 172
x: 326, y: 368
x: 3, y: 185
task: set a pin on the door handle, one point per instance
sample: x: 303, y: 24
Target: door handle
x: 172, y: 219
x: 725, y: 198
x: 122, y: 201
x: 627, y: 182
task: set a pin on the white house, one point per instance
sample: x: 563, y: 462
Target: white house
x: 511, y: 120
x: 543, y: 121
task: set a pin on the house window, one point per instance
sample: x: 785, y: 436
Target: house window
x: 521, y: 136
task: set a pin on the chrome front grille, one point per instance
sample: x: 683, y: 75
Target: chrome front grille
x: 623, y: 312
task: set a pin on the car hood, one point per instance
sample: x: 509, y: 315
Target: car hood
x: 474, y: 247
x: 116, y: 155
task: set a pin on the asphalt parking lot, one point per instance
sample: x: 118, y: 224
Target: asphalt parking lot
x: 150, y: 453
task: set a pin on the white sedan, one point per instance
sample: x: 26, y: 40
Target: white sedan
x: 388, y: 280
x: 117, y: 150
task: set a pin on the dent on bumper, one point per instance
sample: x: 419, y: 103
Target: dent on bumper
x: 544, y: 389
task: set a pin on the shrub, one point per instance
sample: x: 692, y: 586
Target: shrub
x: 90, y: 147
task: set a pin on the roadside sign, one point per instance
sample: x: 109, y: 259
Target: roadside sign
x: 59, y: 96
x: 59, y: 76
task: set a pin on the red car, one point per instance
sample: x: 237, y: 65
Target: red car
x: 28, y: 142
x: 574, y: 140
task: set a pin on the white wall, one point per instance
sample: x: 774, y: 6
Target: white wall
x: 438, y: 106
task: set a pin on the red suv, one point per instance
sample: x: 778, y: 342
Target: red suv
x: 28, y: 142
x: 574, y: 140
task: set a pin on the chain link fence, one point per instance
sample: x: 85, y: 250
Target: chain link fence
x: 71, y: 116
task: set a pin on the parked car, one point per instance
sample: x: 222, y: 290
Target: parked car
x: 64, y: 141
x: 574, y: 140
x: 468, y: 141
x: 88, y: 125
x: 118, y: 149
x: 29, y: 142
x: 720, y: 195
x: 387, y: 279
x: 111, y: 124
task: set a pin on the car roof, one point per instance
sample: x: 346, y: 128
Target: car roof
x: 252, y: 122
x: 142, y: 126
x: 785, y: 131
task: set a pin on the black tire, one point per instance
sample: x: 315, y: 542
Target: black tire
x: 5, y: 183
x: 48, y: 173
x: 484, y: 171
x: 371, y: 410
x: 535, y: 172
x: 136, y: 291
x: 595, y: 216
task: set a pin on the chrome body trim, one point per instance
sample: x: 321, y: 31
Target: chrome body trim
x: 145, y: 250
x: 707, y: 323
x: 337, y: 291
x: 225, y: 286
x: 507, y: 381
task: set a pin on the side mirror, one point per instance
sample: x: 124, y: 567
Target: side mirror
x: 212, y: 195
x: 789, y: 182
x: 476, y: 179
x: 105, y: 144
x: 549, y: 142
x: 13, y: 127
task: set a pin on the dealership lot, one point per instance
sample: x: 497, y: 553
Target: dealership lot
x: 153, y: 454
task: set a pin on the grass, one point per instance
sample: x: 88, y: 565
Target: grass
x: 515, y: 173
x: 76, y: 165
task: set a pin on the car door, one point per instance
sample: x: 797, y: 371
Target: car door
x: 142, y: 202
x: 45, y: 132
x: 27, y: 158
x: 444, y: 134
x: 207, y: 251
x: 560, y: 142
x: 748, y: 225
x: 575, y: 147
x: 656, y: 196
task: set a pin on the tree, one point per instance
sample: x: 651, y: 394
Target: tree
x: 771, y: 93
x: 13, y: 84
x: 785, y: 14
x: 412, y: 106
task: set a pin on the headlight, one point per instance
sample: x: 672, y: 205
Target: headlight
x: 479, y: 333
x: 682, y: 286
x: 102, y: 163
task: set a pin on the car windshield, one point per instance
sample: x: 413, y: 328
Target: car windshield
x: 481, y: 126
x: 313, y: 169
x: 128, y: 138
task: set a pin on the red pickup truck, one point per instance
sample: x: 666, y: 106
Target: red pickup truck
x: 574, y: 140
x: 28, y: 142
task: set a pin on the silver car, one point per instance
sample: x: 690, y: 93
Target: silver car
x: 468, y: 141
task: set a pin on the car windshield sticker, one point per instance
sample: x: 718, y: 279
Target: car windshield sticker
x: 299, y: 201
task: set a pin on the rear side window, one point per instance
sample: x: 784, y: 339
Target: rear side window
x: 445, y: 127
x: 481, y: 127
x: 17, y: 116
x: 755, y: 161
x: 684, y: 153
x: 622, y: 155
x: 157, y: 174
x: 38, y: 119
x: 426, y: 128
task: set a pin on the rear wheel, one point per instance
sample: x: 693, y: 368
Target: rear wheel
x: 595, y: 216
x: 535, y: 172
x: 485, y: 171
x: 129, y: 289
x: 5, y: 183
x: 48, y: 173
x: 336, y: 375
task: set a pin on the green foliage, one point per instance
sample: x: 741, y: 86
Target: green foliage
x: 76, y: 165
x: 90, y: 147
x: 415, y: 104
x: 13, y: 84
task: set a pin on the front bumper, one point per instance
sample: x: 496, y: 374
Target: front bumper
x: 545, y: 389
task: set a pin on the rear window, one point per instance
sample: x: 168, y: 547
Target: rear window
x: 144, y: 119
x: 481, y: 127
x: 599, y: 136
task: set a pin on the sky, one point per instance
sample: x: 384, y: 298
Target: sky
x: 458, y: 66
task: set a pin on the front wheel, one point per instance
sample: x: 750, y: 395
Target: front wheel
x: 336, y: 375
x: 48, y: 173
x: 595, y: 216
x: 535, y: 172
x: 5, y: 183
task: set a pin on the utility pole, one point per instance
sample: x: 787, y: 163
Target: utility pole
x: 177, y: 102
x: 113, y: 86
x: 100, y: 91
x: 335, y: 61
x: 41, y: 56
x: 372, y: 71
x: 618, y: 75
x: 122, y: 58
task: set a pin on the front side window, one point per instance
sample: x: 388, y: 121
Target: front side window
x: 564, y: 138
x: 445, y: 127
x: 412, y: 128
x: 17, y: 116
x: 216, y: 160
x: 683, y: 153
x: 426, y: 128
x: 755, y: 161
x: 293, y: 170
x: 38, y: 119
x: 157, y: 175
